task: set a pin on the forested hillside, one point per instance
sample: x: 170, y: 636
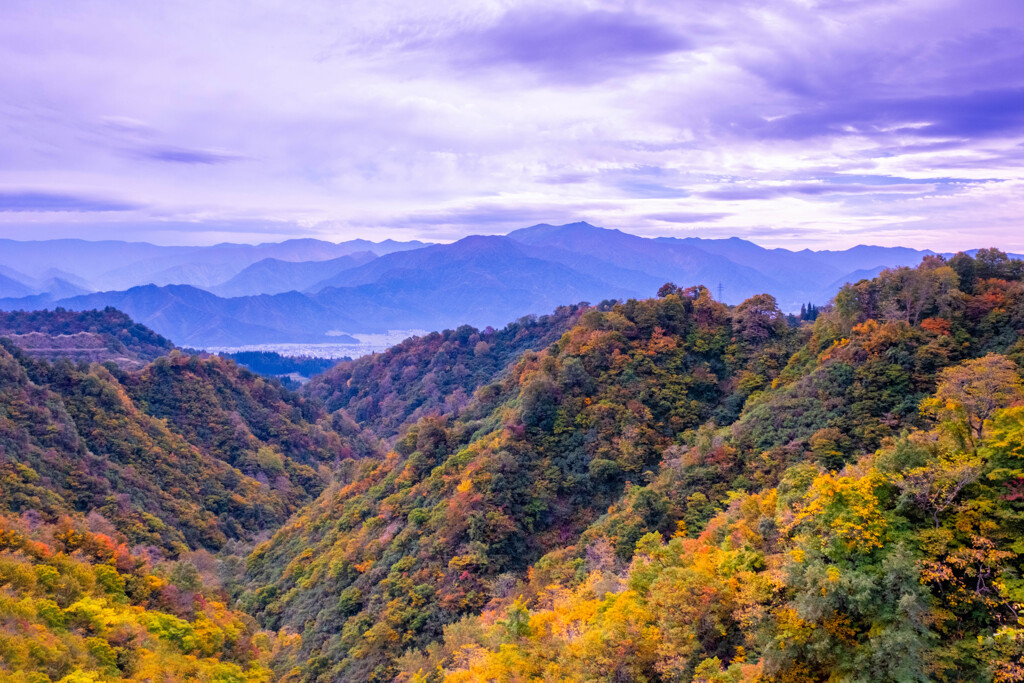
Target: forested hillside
x: 79, y: 606
x: 468, y: 503
x: 432, y: 374
x: 94, y: 336
x: 866, y: 524
x: 116, y: 485
x: 681, y: 417
x: 903, y: 566
x: 669, y: 489
x: 186, y: 453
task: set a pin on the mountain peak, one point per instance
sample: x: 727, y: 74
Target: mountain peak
x: 545, y: 231
x: 475, y: 244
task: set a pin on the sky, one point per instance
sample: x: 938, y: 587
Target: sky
x: 792, y: 123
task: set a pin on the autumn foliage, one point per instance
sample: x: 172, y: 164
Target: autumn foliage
x: 662, y: 490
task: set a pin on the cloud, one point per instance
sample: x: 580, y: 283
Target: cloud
x: 645, y: 181
x: 643, y: 188
x: 875, y: 180
x: 180, y: 155
x: 494, y: 217
x: 965, y: 116
x: 442, y: 119
x: 576, y: 47
x: 683, y: 217
x: 567, y: 178
x: 485, y: 215
x: 165, y: 232
x: 742, y: 192
x: 126, y: 125
x: 56, y: 202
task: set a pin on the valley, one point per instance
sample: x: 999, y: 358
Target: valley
x: 364, y: 344
x: 512, y: 342
x: 680, y: 481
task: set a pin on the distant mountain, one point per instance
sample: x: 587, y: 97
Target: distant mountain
x: 114, y: 264
x: 51, y: 274
x: 477, y: 249
x: 54, y: 283
x: 663, y: 260
x: 193, y: 317
x: 635, y: 283
x: 477, y: 280
x: 85, y: 259
x: 59, y: 288
x: 741, y: 267
x: 793, y: 270
x: 829, y: 291
x: 208, y: 266
x: 273, y: 276
x: 202, y: 275
x: 10, y: 287
x: 294, y: 314
x: 864, y: 257
x: 301, y: 290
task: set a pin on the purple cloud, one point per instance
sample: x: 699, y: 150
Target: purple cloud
x: 565, y: 178
x: 580, y: 47
x: 964, y: 115
x: 383, y: 118
x: 645, y: 181
x: 810, y: 189
x: 180, y: 155
x: 488, y: 217
x: 55, y: 202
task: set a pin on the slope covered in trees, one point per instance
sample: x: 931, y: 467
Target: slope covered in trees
x: 273, y: 364
x: 526, y: 467
x: 186, y: 453
x: 115, y: 485
x: 94, y: 336
x: 648, y: 420
x: 662, y: 490
x: 433, y: 374
x: 903, y: 566
x: 78, y: 606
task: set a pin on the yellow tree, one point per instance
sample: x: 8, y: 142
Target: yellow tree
x: 970, y: 393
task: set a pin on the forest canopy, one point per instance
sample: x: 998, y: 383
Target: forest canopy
x: 669, y: 489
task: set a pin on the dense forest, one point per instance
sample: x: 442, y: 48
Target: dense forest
x: 432, y: 374
x: 669, y: 489
x: 273, y: 364
x: 94, y: 336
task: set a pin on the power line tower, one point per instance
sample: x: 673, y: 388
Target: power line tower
x: 720, y: 288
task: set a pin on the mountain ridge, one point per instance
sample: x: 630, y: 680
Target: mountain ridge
x: 608, y: 479
x: 480, y: 280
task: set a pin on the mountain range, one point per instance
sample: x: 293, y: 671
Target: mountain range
x: 660, y: 489
x: 111, y: 264
x: 314, y: 291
